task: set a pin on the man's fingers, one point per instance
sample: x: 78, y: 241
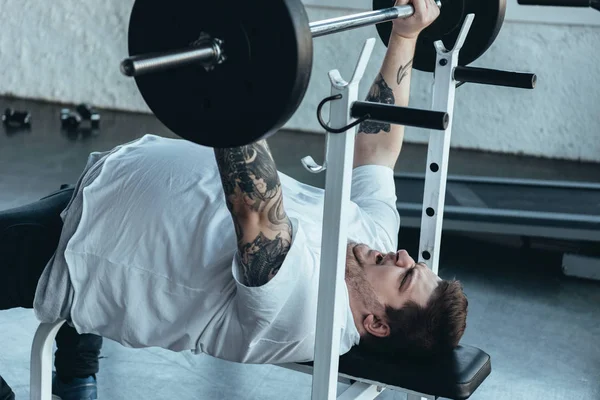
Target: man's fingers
x: 420, y: 8
x: 432, y: 12
x: 426, y: 11
x: 435, y: 9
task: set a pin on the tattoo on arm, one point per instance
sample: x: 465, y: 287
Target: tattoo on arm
x: 380, y: 93
x: 403, y: 71
x: 251, y: 186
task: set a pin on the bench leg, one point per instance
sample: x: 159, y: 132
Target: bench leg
x: 580, y: 266
x: 361, y: 391
x: 411, y: 396
x: 41, y: 361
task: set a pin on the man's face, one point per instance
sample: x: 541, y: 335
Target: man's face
x: 395, y: 278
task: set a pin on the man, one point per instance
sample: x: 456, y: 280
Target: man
x: 170, y: 244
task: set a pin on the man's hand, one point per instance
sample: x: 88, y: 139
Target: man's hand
x: 426, y: 11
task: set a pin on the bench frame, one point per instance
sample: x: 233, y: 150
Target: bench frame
x: 338, y: 167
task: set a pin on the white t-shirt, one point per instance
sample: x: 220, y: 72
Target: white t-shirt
x: 153, y: 261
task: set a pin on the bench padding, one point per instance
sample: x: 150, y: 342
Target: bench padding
x: 455, y: 376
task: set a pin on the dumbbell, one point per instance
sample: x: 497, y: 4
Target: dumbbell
x: 84, y: 117
x: 16, y: 119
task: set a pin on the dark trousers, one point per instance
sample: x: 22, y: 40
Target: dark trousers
x: 28, y: 239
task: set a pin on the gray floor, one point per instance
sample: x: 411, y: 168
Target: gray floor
x: 541, y: 329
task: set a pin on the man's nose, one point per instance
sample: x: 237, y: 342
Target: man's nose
x: 403, y: 259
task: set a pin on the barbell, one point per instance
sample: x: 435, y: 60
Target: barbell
x: 226, y: 75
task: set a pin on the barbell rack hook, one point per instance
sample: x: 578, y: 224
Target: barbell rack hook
x: 336, y: 130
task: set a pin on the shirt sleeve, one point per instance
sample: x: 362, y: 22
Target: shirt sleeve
x: 269, y: 315
x: 374, y: 192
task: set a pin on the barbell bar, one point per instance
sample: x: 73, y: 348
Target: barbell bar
x: 209, y: 52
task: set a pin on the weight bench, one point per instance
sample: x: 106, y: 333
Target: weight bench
x: 455, y: 376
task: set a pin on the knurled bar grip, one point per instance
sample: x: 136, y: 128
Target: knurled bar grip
x: 143, y: 64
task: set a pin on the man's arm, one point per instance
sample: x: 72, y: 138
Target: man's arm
x: 253, y: 194
x: 380, y: 143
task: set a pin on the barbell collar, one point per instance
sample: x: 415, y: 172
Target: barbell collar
x: 495, y: 77
x: 392, y: 114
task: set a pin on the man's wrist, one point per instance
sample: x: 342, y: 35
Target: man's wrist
x: 402, y: 44
x: 402, y: 37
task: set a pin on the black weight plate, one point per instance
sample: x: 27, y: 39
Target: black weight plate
x: 489, y: 17
x: 269, y: 52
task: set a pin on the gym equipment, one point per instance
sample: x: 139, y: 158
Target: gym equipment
x: 595, y: 4
x: 88, y: 113
x: 455, y: 376
x: 364, y: 111
x: 264, y: 70
x: 523, y: 207
x: 16, y: 119
x: 84, y: 118
x: 69, y: 120
x: 227, y: 76
x: 339, y: 156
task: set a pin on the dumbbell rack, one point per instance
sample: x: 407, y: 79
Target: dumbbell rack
x: 338, y: 167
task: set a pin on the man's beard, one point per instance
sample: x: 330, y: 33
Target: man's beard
x: 356, y: 279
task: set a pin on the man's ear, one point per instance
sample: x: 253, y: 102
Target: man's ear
x: 376, y: 326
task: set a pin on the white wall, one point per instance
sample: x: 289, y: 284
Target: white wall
x: 70, y: 50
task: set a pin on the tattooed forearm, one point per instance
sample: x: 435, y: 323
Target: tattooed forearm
x: 380, y: 93
x: 403, y: 71
x: 252, y: 187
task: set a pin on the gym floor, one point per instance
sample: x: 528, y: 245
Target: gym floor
x: 540, y: 328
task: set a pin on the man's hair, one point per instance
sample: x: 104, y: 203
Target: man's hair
x: 424, y: 331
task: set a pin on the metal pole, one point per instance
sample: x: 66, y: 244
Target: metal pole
x: 334, y: 239
x: 340, y: 24
x: 209, y: 54
x: 438, y: 151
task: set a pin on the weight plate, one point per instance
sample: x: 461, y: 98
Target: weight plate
x: 489, y: 17
x: 254, y: 92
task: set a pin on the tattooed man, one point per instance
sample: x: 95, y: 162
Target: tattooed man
x: 170, y: 244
